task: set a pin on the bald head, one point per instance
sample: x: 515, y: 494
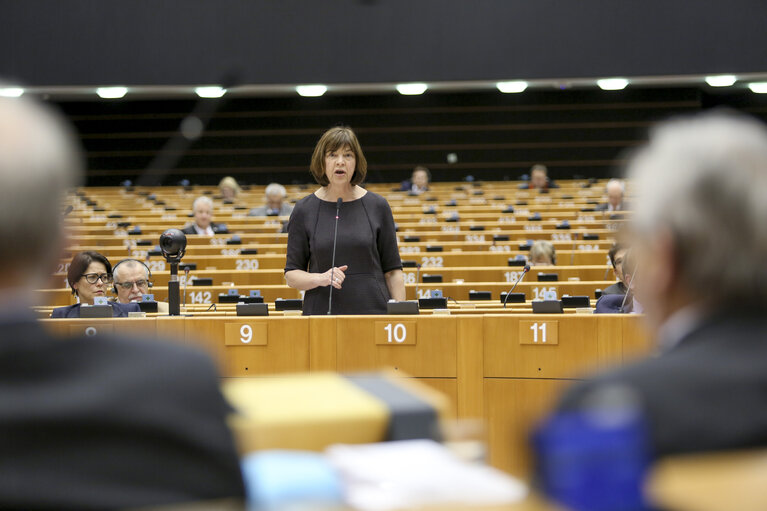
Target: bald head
x: 615, y: 189
x: 39, y: 160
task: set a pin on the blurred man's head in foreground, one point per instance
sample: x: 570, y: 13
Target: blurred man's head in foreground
x: 39, y: 160
x: 700, y: 217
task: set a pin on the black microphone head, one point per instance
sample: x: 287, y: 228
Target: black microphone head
x: 526, y: 268
x: 173, y: 244
x: 68, y: 210
x: 338, y: 202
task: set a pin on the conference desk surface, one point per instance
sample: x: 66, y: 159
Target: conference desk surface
x: 505, y: 368
x: 455, y: 291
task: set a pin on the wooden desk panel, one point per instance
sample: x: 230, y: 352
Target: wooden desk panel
x: 578, y: 349
x: 287, y: 349
x: 433, y: 355
x: 512, y: 409
x: 135, y: 327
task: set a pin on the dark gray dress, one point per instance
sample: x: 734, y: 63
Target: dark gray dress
x: 367, y: 243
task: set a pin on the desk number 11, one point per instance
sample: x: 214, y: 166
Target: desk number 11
x: 535, y: 327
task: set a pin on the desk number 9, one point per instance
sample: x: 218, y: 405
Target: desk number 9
x: 246, y: 334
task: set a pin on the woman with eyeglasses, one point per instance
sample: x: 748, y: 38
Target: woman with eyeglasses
x: 90, y: 276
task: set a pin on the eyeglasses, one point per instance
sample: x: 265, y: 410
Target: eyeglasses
x: 91, y: 278
x: 129, y: 285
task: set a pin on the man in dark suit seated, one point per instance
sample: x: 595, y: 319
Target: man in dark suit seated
x: 202, y: 209
x: 539, y: 179
x: 89, y: 422
x: 615, y: 190
x: 89, y: 276
x: 276, y: 205
x: 418, y: 182
x: 699, y: 236
x: 616, y: 254
x: 622, y: 303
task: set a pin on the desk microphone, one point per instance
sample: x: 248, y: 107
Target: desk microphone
x: 417, y: 279
x: 628, y: 292
x: 333, y: 261
x: 519, y: 279
x: 68, y: 210
x: 623, y: 303
x: 186, y: 282
x: 572, y: 252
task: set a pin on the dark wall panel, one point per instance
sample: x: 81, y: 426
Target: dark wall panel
x: 495, y: 136
x: 171, y: 42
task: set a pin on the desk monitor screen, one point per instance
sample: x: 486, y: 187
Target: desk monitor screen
x: 574, y: 302
x: 292, y: 304
x: 547, y: 307
x: 252, y: 309
x: 432, y: 303
x: 407, y: 307
x: 513, y: 298
x: 95, y: 311
x: 147, y: 306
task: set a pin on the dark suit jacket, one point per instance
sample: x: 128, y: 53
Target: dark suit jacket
x: 119, y: 310
x: 107, y: 422
x: 285, y: 210
x: 611, y: 304
x: 619, y: 288
x: 707, y: 393
x: 605, y: 206
x: 217, y: 229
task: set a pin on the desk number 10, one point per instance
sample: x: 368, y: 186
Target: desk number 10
x: 535, y: 327
x: 398, y: 332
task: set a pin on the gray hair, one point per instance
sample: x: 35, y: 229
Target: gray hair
x: 202, y: 199
x: 129, y: 263
x: 276, y: 189
x: 39, y: 159
x: 703, y: 179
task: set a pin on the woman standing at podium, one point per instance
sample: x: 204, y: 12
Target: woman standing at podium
x: 368, y: 269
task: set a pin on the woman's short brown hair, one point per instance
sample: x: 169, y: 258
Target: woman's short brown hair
x: 80, y: 263
x: 332, y: 140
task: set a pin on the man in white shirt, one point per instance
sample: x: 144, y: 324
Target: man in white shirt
x: 202, y: 208
x: 615, y: 190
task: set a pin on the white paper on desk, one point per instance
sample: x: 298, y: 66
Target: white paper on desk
x: 394, y: 475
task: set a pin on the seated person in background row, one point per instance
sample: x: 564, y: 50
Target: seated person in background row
x: 89, y: 276
x: 276, y: 205
x: 90, y: 422
x: 229, y: 188
x: 542, y: 253
x: 419, y: 181
x: 132, y: 279
x: 202, y: 207
x: 616, y: 254
x: 701, y: 185
x: 615, y: 190
x: 621, y: 303
x: 539, y: 179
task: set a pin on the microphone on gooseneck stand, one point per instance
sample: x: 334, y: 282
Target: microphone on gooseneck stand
x: 572, y: 252
x: 333, y: 260
x: 519, y: 279
x: 628, y: 292
x: 417, y: 280
x: 186, y: 282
